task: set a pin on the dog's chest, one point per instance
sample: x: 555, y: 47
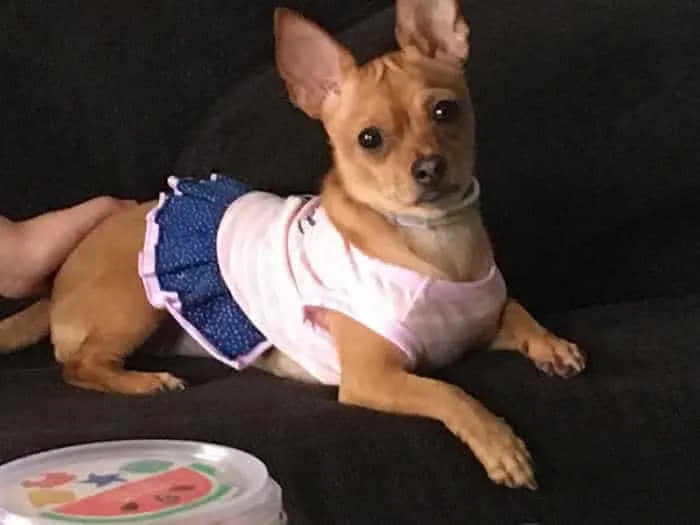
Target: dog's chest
x: 462, y: 251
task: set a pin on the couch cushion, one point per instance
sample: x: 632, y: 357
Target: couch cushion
x: 99, y: 96
x: 587, y: 123
x: 615, y: 445
x: 587, y: 152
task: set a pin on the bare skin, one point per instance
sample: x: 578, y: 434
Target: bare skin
x: 31, y: 250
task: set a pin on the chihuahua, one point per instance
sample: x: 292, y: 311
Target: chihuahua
x: 388, y: 272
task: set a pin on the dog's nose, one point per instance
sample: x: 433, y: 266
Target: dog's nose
x: 429, y: 170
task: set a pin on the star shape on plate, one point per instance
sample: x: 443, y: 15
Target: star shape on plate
x: 102, y: 480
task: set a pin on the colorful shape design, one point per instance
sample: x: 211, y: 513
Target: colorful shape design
x: 102, y: 480
x: 43, y: 497
x: 146, y: 466
x: 48, y: 480
x: 171, y: 492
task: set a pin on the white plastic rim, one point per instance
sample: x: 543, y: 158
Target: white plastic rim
x: 245, y: 493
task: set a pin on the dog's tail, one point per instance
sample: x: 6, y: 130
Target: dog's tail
x: 25, y: 328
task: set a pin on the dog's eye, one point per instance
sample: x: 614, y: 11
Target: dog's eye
x: 446, y: 110
x: 370, y: 138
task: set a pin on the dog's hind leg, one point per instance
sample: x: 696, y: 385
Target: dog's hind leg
x: 95, y: 360
x: 97, y: 373
x: 100, y: 314
x: 91, y: 341
x: 92, y: 356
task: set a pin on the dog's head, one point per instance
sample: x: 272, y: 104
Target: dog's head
x: 401, y: 126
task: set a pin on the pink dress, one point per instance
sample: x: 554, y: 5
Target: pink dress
x: 284, y: 262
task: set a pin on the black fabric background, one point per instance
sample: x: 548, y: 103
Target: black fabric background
x: 587, y: 120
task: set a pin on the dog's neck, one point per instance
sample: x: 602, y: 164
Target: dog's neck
x: 455, y: 250
x: 460, y: 248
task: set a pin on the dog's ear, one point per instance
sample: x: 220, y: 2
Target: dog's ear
x: 435, y: 28
x: 311, y: 63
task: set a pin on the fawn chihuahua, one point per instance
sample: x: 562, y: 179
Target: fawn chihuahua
x: 389, y: 271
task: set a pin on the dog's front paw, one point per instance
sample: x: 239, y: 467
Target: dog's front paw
x: 503, y: 454
x: 555, y: 356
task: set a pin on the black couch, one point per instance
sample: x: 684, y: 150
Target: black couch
x: 587, y: 120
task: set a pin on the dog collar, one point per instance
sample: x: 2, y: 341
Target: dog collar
x: 448, y: 217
